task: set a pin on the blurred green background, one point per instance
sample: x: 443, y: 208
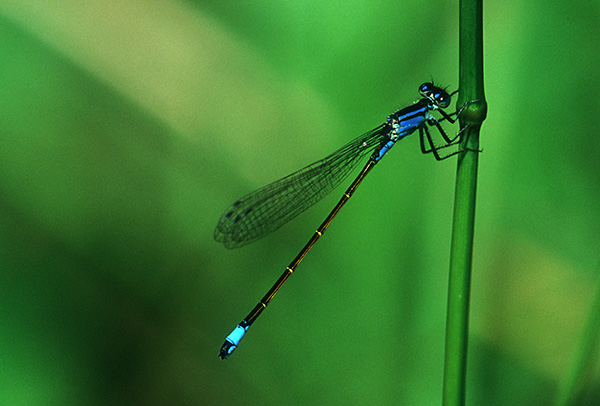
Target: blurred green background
x: 128, y: 127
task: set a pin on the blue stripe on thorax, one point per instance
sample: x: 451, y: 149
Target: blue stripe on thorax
x: 403, y: 122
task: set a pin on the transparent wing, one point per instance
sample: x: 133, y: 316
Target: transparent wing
x: 268, y: 208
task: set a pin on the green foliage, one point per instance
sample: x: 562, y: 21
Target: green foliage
x: 127, y: 129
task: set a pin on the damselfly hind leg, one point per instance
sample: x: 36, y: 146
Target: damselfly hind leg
x: 424, y: 132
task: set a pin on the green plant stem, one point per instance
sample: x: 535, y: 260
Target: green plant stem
x: 471, y: 88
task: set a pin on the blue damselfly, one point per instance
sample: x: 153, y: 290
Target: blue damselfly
x: 265, y: 210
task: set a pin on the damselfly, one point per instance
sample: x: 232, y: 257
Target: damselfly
x: 265, y: 210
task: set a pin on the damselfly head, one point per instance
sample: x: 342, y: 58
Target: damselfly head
x: 438, y: 96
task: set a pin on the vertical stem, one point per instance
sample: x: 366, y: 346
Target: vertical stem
x: 471, y: 88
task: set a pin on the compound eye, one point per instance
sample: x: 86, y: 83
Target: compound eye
x: 425, y: 89
x: 442, y: 99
